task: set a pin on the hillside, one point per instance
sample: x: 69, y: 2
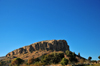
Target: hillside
x: 39, y: 49
x: 52, y: 45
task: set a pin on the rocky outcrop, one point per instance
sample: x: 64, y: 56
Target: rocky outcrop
x: 57, y: 45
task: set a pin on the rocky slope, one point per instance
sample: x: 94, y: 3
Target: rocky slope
x: 57, y: 45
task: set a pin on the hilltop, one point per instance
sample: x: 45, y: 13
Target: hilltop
x: 58, y: 49
x: 47, y: 46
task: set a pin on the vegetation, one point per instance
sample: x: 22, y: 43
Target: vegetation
x: 37, y: 60
x: 16, y: 62
x: 78, y: 54
x: 2, y: 63
x: 52, y: 58
x: 64, y: 61
x: 38, y: 64
x: 32, y: 60
x: 72, y: 56
x: 89, y: 58
x: 99, y: 57
x: 94, y: 61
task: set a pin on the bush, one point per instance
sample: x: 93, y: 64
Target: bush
x: 71, y: 55
x: 52, y: 58
x: 17, y: 61
x: 38, y: 64
x: 8, y: 61
x: 64, y: 61
x: 37, y: 60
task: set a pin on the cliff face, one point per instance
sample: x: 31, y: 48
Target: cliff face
x: 57, y: 45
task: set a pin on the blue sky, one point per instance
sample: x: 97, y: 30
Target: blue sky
x: 23, y: 22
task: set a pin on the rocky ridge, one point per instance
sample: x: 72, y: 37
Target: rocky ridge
x: 57, y: 45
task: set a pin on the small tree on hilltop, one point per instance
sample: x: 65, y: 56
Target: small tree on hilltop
x: 99, y: 57
x: 79, y: 54
x: 89, y: 58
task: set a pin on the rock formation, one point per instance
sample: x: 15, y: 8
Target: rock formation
x: 57, y: 45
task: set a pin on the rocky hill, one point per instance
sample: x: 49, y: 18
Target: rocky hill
x: 57, y: 45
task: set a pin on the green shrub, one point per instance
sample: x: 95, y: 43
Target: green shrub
x: 8, y: 61
x: 38, y: 64
x: 71, y: 55
x: 37, y: 60
x: 10, y: 64
x: 17, y: 61
x: 64, y: 61
x: 52, y: 58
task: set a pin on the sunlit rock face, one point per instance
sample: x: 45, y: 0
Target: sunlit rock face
x: 57, y: 45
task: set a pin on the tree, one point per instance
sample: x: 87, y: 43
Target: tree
x: 68, y: 53
x: 71, y: 55
x: 79, y: 54
x: 89, y: 58
x: 64, y: 61
x: 99, y: 57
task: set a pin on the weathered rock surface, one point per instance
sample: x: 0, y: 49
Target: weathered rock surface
x: 57, y: 45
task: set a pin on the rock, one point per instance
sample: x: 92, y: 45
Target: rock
x: 57, y: 45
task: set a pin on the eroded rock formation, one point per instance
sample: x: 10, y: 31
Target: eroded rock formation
x: 57, y: 45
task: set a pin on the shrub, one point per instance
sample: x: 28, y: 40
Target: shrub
x: 36, y: 59
x: 71, y: 55
x: 64, y: 61
x: 99, y: 57
x: 10, y: 64
x: 52, y: 58
x: 38, y: 64
x: 17, y: 61
x: 8, y: 61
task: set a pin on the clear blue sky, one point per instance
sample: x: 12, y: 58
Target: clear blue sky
x: 23, y: 22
